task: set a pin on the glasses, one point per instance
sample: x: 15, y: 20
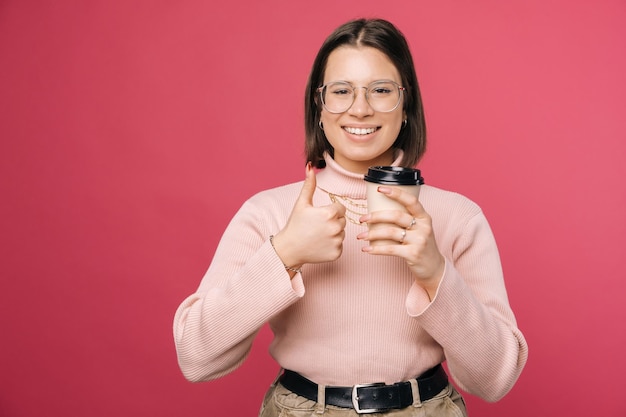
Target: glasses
x: 382, y: 96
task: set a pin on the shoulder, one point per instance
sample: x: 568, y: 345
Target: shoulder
x: 273, y: 201
x: 266, y: 210
x: 443, y: 203
x: 458, y: 222
x: 277, y: 194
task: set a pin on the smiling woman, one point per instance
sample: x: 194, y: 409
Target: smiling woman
x: 355, y: 331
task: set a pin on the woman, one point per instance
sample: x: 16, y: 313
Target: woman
x: 345, y: 311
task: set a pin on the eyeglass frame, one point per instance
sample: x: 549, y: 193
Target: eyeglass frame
x: 398, y: 86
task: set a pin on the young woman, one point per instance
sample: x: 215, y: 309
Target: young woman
x: 347, y: 313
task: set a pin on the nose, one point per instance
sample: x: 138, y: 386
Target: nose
x: 360, y: 107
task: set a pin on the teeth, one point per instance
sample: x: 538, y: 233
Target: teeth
x: 360, y: 131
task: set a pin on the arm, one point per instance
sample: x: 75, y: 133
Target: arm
x: 470, y: 316
x: 460, y: 298
x: 248, y: 281
x: 243, y: 288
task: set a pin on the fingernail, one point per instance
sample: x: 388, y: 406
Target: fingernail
x: 384, y: 190
x: 364, y: 218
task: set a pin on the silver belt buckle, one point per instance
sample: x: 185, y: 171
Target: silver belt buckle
x: 355, y: 399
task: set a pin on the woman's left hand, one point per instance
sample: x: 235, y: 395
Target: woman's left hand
x: 411, y: 235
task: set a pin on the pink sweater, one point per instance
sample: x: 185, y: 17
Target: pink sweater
x: 361, y: 318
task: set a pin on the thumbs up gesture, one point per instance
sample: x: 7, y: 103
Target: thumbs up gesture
x: 312, y: 234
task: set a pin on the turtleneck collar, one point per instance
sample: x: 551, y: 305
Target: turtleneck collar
x: 338, y: 180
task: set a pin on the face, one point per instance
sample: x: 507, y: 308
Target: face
x: 361, y: 136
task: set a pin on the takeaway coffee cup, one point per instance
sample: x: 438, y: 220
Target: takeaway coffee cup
x: 408, y: 179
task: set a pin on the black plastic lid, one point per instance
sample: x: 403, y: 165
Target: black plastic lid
x: 394, y: 175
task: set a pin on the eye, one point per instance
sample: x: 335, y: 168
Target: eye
x: 381, y: 89
x: 340, y: 90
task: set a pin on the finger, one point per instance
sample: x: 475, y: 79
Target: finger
x: 308, y: 188
x: 340, y: 209
x: 408, y: 200
x: 342, y: 221
x: 397, y: 217
x: 386, y: 236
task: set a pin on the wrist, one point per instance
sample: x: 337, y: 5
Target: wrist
x: 431, y: 285
x: 294, y: 266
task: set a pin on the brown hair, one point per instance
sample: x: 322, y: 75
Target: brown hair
x: 384, y: 36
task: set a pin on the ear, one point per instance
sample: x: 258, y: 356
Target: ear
x: 316, y: 98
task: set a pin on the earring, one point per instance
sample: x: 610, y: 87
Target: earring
x: 404, y: 122
x: 321, y: 125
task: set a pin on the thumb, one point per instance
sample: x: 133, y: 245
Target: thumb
x: 308, y: 189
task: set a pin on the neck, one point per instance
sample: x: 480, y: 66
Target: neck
x: 337, y: 179
x: 361, y: 167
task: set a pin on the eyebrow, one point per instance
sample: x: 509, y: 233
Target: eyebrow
x: 353, y: 85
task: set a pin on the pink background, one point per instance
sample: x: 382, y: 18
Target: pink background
x: 132, y: 131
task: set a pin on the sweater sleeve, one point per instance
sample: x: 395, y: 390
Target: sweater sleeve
x: 245, y: 285
x: 470, y: 316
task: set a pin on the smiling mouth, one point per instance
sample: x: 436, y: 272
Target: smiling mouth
x: 360, y: 130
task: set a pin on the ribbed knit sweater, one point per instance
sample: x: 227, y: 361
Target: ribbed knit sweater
x: 361, y: 318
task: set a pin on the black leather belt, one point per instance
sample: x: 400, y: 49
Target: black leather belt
x: 370, y: 398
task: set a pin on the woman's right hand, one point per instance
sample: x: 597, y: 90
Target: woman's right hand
x: 312, y: 234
